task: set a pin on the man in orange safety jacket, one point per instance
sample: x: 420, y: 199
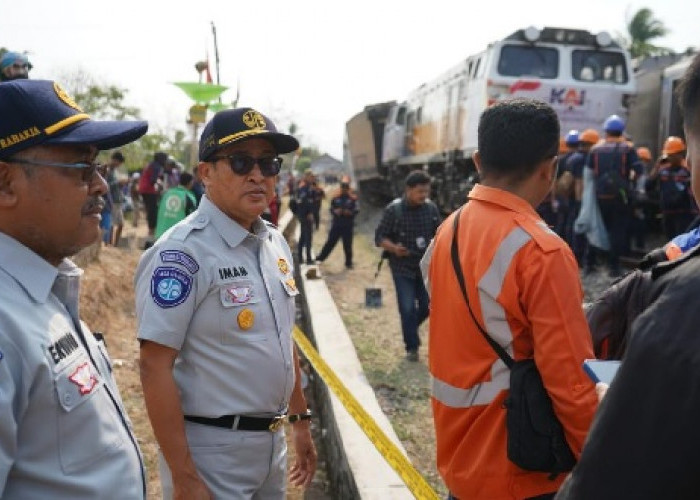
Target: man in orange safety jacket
x: 523, y: 284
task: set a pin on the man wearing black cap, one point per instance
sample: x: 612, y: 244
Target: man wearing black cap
x: 64, y: 433
x: 215, y: 307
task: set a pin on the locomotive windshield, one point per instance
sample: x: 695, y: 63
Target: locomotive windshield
x: 522, y: 60
x: 599, y: 66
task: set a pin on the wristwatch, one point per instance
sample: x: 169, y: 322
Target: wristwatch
x: 299, y: 416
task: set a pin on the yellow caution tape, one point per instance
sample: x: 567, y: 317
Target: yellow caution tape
x: 391, y: 453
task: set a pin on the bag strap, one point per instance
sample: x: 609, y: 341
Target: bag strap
x: 460, y: 277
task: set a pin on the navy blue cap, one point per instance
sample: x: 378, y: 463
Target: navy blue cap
x: 34, y: 112
x: 234, y: 125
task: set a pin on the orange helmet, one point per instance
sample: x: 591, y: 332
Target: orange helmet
x: 563, y: 147
x: 644, y: 154
x: 673, y: 145
x: 590, y: 136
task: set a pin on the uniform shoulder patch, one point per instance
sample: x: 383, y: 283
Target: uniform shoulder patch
x: 544, y: 237
x: 181, y: 258
x: 170, y: 286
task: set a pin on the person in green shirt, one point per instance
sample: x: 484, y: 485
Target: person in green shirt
x: 176, y: 204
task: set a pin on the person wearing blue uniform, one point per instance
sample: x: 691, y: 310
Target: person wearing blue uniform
x: 615, y: 165
x: 344, y: 208
x: 306, y: 197
x: 672, y: 178
x: 64, y: 432
x: 215, y: 308
x: 575, y: 164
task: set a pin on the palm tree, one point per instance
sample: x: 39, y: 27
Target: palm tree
x: 642, y: 29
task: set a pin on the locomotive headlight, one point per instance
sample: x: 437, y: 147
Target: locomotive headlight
x: 531, y: 34
x: 603, y: 39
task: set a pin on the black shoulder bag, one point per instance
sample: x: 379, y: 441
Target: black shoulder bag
x: 535, y: 436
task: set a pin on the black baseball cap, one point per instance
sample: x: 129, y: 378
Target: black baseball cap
x: 234, y: 125
x: 34, y: 112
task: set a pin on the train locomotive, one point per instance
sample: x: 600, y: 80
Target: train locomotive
x: 584, y: 77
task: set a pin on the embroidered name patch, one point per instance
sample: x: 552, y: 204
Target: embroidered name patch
x: 170, y: 286
x: 180, y: 258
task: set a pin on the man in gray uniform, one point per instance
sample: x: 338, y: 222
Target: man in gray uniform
x: 215, y: 307
x: 64, y: 433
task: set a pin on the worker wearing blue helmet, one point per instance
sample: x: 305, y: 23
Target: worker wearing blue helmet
x: 615, y: 166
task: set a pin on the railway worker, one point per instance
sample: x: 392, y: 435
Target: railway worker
x: 615, y: 166
x: 64, y: 432
x: 215, y: 308
x: 575, y: 164
x: 643, y: 442
x: 344, y: 208
x: 672, y: 179
x: 13, y: 66
x: 407, y: 226
x: 304, y: 209
x: 523, y: 287
x: 564, y: 186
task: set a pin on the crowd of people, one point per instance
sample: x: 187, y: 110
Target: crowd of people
x: 215, y: 303
x: 633, y: 194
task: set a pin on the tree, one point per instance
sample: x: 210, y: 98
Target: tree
x: 642, y: 29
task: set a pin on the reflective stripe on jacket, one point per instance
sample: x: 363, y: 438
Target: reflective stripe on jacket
x: 524, y: 289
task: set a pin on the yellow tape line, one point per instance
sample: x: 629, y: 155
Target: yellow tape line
x: 391, y: 453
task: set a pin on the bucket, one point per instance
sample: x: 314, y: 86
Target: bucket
x: 373, y: 297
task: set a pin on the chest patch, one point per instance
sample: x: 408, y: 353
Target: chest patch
x: 84, y: 378
x: 170, y: 286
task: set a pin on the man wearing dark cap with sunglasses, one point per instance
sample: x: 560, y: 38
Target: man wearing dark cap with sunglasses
x: 215, y: 306
x: 64, y: 433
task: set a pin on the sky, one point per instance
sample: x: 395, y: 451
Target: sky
x: 314, y: 63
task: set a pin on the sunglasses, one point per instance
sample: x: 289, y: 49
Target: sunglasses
x: 243, y: 164
x: 88, y: 170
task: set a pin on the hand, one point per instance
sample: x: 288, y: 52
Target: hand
x: 191, y: 487
x: 302, y: 472
x: 600, y: 390
x: 400, y: 250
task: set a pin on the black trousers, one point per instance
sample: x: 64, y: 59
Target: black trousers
x: 337, y: 232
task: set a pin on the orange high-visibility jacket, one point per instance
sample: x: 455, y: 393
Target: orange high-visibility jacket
x: 523, y: 286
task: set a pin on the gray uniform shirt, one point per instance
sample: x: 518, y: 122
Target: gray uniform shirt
x: 64, y: 433
x: 224, y: 298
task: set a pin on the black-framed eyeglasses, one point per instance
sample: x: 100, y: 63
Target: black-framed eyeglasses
x: 88, y: 170
x: 243, y: 164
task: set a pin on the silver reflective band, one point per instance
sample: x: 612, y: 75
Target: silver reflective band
x: 478, y: 395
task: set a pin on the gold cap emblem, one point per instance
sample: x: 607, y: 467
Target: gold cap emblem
x: 63, y: 96
x: 253, y: 119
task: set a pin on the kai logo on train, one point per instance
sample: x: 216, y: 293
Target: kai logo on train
x: 568, y: 97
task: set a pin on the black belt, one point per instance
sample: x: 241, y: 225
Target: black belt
x: 241, y: 422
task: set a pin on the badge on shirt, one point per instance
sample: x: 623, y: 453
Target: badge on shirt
x: 239, y: 294
x: 282, y: 264
x: 246, y: 319
x: 181, y: 258
x: 290, y: 286
x: 170, y: 286
x: 420, y: 243
x: 84, y: 378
